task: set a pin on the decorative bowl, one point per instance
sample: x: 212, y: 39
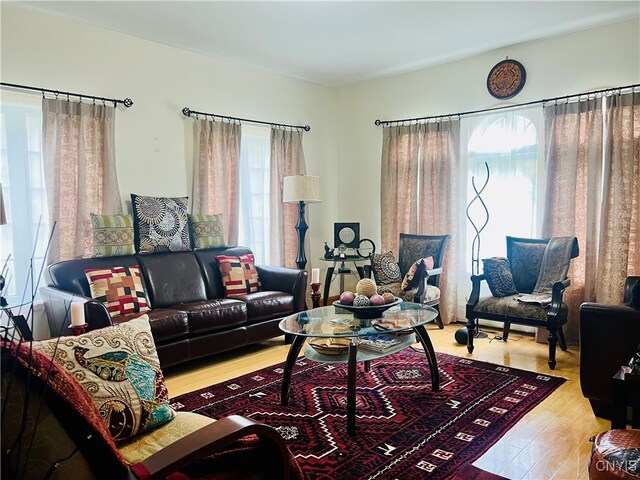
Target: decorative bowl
x: 330, y: 346
x: 372, y: 311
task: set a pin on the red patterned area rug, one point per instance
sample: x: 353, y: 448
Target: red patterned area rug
x: 403, y: 429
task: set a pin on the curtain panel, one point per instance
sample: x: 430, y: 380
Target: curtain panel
x: 80, y: 172
x: 417, y: 194
x: 216, y: 173
x: 287, y: 158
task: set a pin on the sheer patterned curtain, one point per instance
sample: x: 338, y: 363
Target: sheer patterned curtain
x: 619, y: 252
x: 399, y: 183
x: 216, y: 178
x: 573, y: 193
x: 287, y: 158
x: 419, y: 193
x: 80, y: 172
x: 439, y: 208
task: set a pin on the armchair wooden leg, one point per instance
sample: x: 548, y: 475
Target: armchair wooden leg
x: 552, y: 338
x: 505, y: 331
x: 471, y: 331
x: 563, y: 342
x: 439, y: 318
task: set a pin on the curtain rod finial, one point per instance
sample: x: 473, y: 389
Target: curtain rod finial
x: 186, y: 111
x: 307, y: 128
x: 377, y: 122
x: 127, y: 102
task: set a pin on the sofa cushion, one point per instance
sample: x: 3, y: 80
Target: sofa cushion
x: 511, y: 307
x: 525, y: 259
x: 209, y: 266
x: 266, y: 305
x: 119, y: 367
x: 166, y: 323
x: 160, y: 224
x: 119, y: 288
x: 239, y: 274
x: 112, y: 235
x: 172, y: 278
x: 385, y: 268
x: 212, y: 315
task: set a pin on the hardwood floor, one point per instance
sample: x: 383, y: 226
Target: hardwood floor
x: 550, y: 443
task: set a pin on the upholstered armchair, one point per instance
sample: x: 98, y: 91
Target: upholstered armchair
x: 520, y: 273
x: 411, y: 278
x: 609, y: 337
x: 52, y: 429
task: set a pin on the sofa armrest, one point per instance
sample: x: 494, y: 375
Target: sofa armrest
x: 57, y: 305
x: 609, y: 337
x: 281, y: 279
x: 423, y: 281
x: 557, y: 293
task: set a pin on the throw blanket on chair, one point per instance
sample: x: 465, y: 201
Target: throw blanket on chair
x: 554, y: 268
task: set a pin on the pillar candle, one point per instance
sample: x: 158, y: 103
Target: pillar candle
x: 77, y: 314
x: 315, y: 275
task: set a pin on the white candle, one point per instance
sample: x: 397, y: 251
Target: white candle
x: 315, y: 275
x: 77, y: 314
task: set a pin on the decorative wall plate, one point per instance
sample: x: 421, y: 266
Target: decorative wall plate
x: 347, y: 234
x: 506, y: 79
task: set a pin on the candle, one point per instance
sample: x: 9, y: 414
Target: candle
x: 315, y: 275
x: 77, y: 314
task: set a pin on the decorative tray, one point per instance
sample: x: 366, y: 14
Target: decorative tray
x: 330, y: 346
x: 374, y: 311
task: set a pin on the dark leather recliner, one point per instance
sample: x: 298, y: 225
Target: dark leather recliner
x: 609, y: 337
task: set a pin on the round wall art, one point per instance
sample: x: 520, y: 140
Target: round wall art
x: 506, y: 79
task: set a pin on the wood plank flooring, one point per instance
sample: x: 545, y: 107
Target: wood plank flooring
x: 550, y: 443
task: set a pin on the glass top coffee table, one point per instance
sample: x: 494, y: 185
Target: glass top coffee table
x: 342, y: 334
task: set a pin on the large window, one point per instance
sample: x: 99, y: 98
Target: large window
x: 510, y: 145
x: 24, y: 237
x: 255, y: 152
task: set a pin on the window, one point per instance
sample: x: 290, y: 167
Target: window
x: 26, y: 233
x: 255, y: 153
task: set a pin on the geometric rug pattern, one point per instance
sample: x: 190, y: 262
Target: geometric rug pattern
x: 404, y: 430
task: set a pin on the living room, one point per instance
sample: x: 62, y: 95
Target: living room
x: 155, y: 145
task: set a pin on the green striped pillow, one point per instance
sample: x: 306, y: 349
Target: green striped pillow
x: 207, y: 231
x: 112, y: 235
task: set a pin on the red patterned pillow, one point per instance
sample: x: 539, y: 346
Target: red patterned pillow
x: 239, y: 274
x: 119, y: 288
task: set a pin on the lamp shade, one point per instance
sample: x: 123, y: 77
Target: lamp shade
x: 301, y: 188
x: 3, y: 214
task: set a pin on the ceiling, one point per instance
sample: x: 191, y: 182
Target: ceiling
x: 336, y: 43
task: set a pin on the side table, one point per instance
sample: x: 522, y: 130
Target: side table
x: 626, y: 393
x: 343, y: 270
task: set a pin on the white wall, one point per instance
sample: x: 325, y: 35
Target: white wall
x: 597, y: 58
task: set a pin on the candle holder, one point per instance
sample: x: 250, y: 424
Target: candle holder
x: 79, y: 329
x: 315, y: 294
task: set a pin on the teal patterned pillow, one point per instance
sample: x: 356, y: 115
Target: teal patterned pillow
x: 112, y: 235
x: 160, y: 224
x: 499, y: 278
x: 207, y: 231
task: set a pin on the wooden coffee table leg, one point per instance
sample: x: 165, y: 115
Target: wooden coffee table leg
x: 351, y: 389
x: 431, y: 356
x: 292, y: 356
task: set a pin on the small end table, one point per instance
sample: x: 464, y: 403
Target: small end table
x: 626, y: 392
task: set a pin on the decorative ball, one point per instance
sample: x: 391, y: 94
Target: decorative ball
x: 366, y: 287
x: 377, y: 300
x: 361, y: 301
x: 388, y: 297
x: 462, y: 334
x: 346, y: 297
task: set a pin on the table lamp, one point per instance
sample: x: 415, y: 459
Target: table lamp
x: 301, y: 189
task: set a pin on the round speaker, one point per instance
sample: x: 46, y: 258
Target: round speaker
x: 462, y: 335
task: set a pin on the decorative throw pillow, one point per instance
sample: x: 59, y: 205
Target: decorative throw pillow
x: 411, y: 278
x: 207, y: 231
x: 112, y: 235
x: 119, y: 368
x: 239, y: 274
x: 119, y: 288
x: 160, y: 224
x: 385, y: 268
x: 499, y: 278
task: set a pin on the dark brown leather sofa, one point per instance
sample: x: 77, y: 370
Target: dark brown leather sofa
x: 189, y: 316
x: 609, y: 337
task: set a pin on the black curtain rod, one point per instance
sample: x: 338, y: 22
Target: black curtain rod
x: 127, y: 102
x: 188, y: 112
x: 483, y: 110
